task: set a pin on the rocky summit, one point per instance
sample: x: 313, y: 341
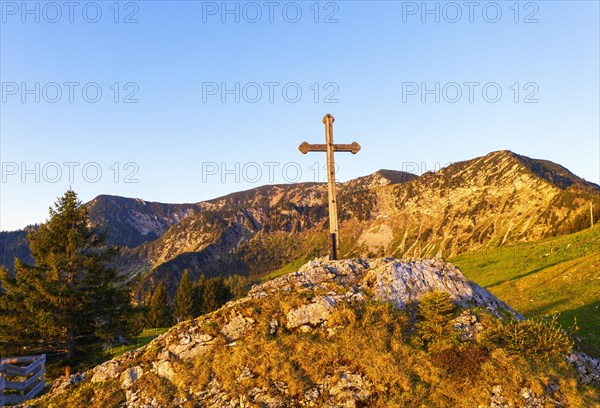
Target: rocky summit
x: 388, y: 280
x: 345, y: 333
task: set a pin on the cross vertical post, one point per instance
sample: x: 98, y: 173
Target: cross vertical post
x: 330, y: 149
x: 333, y: 224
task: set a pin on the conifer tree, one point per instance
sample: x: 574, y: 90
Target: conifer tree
x: 159, y: 314
x: 183, y: 304
x: 215, y: 294
x: 71, y: 295
x: 199, y: 288
x: 237, y: 285
x: 224, y: 293
x: 435, y: 316
x: 211, y: 296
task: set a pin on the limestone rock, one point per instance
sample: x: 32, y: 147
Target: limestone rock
x: 130, y: 376
x: 314, y: 274
x: 498, y: 400
x: 587, y: 367
x: 403, y: 283
x: 237, y: 327
x: 61, y: 383
x: 313, y: 314
x: 189, y: 343
x: 389, y: 280
x: 350, y: 389
x: 273, y: 326
x: 106, y: 371
x: 467, y: 324
x: 164, y: 368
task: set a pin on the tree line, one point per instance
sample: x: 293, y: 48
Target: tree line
x: 191, y: 300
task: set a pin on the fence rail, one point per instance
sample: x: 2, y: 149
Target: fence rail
x: 2, y: 383
x: 26, y: 376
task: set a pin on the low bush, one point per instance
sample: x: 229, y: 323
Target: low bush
x: 434, y: 325
x: 535, y: 338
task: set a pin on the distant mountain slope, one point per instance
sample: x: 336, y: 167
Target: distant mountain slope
x: 14, y: 244
x: 554, y: 275
x: 379, y: 178
x: 131, y: 221
x: 552, y: 172
x: 486, y: 202
x: 490, y: 201
x: 210, y: 242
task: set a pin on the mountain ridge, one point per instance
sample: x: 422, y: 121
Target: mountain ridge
x: 393, y: 217
x: 487, y: 201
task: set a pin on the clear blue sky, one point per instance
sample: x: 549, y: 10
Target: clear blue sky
x: 373, y: 51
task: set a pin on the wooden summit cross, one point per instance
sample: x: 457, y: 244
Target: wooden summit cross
x: 330, y: 148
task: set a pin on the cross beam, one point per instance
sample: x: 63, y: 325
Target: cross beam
x: 330, y: 148
x: 306, y: 147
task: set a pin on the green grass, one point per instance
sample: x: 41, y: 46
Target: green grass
x: 555, y: 275
x: 141, y: 340
x: 291, y: 267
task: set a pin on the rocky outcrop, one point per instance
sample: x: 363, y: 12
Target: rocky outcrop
x: 313, y: 314
x: 129, y: 376
x: 315, y: 293
x: 387, y: 279
x: 106, y: 371
x: 236, y: 328
x: 468, y: 325
x: 60, y: 384
x: 527, y: 398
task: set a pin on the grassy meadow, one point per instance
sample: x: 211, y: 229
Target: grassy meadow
x: 559, y: 275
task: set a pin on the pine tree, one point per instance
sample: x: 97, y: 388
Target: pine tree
x: 237, y: 285
x: 199, y: 289
x: 70, y: 296
x: 183, y: 304
x: 211, y: 294
x: 435, y: 319
x: 215, y: 294
x: 159, y: 314
x: 224, y: 293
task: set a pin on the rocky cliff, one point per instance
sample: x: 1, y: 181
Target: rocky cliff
x: 334, y: 334
x: 131, y: 222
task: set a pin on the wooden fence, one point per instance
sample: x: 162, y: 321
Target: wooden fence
x: 21, y: 378
x: 2, y: 385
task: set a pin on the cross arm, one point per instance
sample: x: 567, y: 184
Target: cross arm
x: 306, y: 147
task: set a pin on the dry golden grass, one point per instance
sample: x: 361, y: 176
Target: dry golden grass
x: 371, y: 339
